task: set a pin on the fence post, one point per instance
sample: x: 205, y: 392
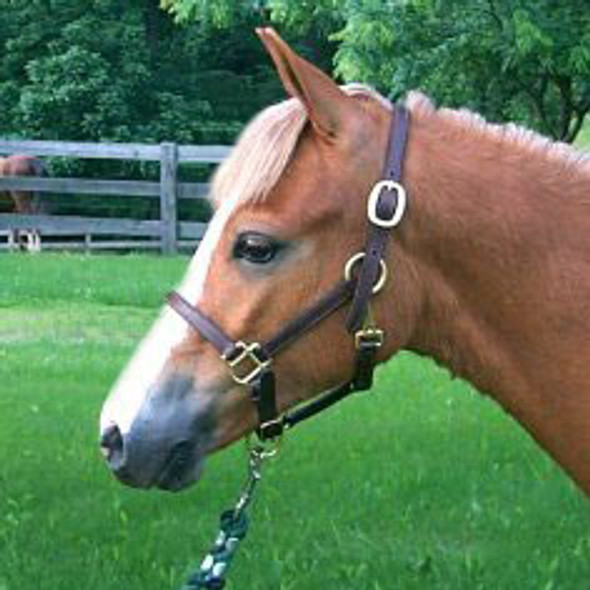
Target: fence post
x: 168, y: 194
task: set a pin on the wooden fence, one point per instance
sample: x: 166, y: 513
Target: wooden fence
x: 166, y: 233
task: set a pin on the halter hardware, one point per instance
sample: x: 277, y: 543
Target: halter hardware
x: 373, y: 204
x: 246, y: 353
x: 369, y: 336
x: 263, y: 449
x: 358, y: 257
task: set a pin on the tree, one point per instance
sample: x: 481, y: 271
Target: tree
x: 111, y: 71
x: 65, y: 81
x: 105, y: 70
x: 522, y: 59
x: 527, y: 60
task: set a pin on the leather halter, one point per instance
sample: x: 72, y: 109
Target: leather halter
x: 251, y: 363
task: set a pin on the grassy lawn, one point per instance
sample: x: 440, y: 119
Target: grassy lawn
x: 422, y: 484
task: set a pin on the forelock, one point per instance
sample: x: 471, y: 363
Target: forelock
x: 265, y: 148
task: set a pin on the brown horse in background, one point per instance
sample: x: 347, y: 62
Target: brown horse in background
x: 23, y: 202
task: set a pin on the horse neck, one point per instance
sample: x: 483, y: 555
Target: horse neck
x: 502, y: 288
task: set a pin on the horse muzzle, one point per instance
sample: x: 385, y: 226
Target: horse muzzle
x: 166, y: 443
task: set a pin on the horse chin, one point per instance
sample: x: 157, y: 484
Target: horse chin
x: 174, y: 479
x: 183, y: 466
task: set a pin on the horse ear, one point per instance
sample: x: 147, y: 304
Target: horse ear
x: 326, y: 105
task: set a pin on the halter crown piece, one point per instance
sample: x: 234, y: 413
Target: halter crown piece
x: 251, y: 364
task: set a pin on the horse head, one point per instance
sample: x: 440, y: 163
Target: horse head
x: 290, y: 210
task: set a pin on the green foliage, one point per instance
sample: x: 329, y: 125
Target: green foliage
x: 220, y: 13
x: 509, y: 59
x: 527, y: 60
x: 70, y: 93
x: 116, y: 71
x: 111, y: 71
x: 583, y: 139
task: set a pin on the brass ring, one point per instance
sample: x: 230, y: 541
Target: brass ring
x: 379, y: 283
x: 264, y: 449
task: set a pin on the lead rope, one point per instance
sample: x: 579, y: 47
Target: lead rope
x: 233, y: 525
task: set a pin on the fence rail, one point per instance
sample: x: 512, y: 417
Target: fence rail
x: 118, y: 188
x: 167, y: 233
x: 103, y: 226
x: 196, y: 154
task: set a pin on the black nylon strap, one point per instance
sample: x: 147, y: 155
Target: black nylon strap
x: 366, y: 357
x: 298, y: 326
x: 371, y: 263
x: 318, y: 405
x: 362, y: 380
x: 398, y: 139
x: 264, y: 397
x: 312, y: 316
x: 386, y: 206
x: 201, y: 323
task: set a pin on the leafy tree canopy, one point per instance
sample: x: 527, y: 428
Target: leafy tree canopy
x: 105, y: 70
x: 527, y: 60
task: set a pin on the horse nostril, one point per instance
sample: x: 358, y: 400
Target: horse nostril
x: 111, y: 445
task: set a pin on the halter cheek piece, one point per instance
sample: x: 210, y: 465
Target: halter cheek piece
x: 250, y: 364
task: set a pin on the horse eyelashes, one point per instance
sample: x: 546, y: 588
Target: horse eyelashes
x: 256, y: 248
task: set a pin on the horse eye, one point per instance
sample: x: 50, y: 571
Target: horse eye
x: 255, y: 248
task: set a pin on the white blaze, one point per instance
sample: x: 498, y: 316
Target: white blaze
x: 169, y: 330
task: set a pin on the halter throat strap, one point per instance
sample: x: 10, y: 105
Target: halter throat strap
x: 251, y: 364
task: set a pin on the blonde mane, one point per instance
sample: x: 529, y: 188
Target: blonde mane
x: 265, y: 148
x: 528, y: 142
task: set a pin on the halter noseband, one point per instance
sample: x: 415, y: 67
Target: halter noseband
x: 250, y: 364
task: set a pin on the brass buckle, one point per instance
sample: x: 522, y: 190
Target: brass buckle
x: 388, y: 185
x: 248, y: 353
x: 370, y: 335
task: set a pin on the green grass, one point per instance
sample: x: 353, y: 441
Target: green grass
x: 421, y: 484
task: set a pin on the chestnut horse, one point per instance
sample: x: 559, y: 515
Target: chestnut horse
x: 490, y: 274
x: 24, y: 202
